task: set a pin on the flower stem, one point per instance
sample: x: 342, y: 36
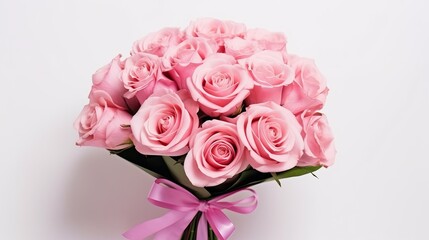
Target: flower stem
x: 212, y: 236
x: 190, y: 232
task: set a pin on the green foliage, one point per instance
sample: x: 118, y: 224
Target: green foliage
x: 172, y: 169
x: 178, y: 173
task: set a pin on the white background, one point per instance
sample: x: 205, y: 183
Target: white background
x: 373, y: 53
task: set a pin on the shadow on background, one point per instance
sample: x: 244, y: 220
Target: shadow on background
x: 105, y: 196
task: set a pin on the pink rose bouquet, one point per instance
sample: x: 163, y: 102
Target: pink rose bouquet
x: 209, y: 111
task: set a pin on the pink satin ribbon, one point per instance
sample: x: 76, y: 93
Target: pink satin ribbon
x: 183, y: 208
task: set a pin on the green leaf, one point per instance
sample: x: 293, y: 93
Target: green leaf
x: 248, y: 178
x: 181, y: 160
x: 252, y: 177
x: 297, y: 171
x: 154, y: 165
x: 178, y: 173
x: 116, y: 152
x: 276, y: 178
x: 172, y: 169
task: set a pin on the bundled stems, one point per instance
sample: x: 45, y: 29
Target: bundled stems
x: 190, y: 232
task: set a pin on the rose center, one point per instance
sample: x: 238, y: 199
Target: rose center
x: 273, y: 131
x: 222, y: 153
x: 92, y: 120
x: 221, y: 80
x: 165, y: 123
x: 141, y: 70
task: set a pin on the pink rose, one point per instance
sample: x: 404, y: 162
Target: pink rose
x: 141, y: 75
x: 158, y: 42
x: 164, y: 124
x: 308, y: 91
x: 101, y: 126
x: 220, y: 85
x: 319, y: 146
x: 267, y: 40
x: 216, y: 154
x: 107, y: 82
x: 181, y: 60
x: 215, y: 29
x: 240, y: 48
x: 272, y: 136
x: 270, y: 74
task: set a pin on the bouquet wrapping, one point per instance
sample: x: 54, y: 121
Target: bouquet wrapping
x: 209, y: 111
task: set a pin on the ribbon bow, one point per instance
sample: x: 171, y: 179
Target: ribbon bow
x: 183, y: 207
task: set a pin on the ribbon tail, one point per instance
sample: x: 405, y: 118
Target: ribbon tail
x: 202, y: 231
x: 220, y: 223
x: 175, y: 231
x: 153, y: 226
